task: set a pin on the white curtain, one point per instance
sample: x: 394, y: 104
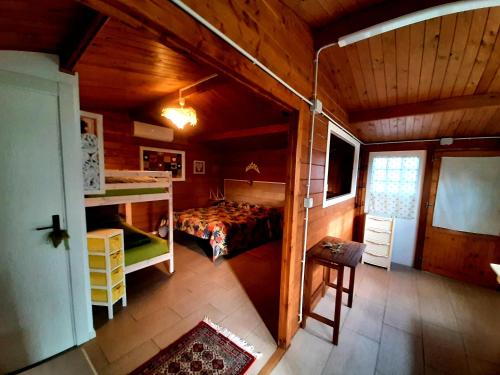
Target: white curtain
x: 393, y: 186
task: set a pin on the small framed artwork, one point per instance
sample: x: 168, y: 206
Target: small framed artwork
x: 92, y: 153
x: 162, y: 159
x: 198, y: 167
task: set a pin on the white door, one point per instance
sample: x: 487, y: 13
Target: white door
x: 394, y: 190
x: 36, y: 309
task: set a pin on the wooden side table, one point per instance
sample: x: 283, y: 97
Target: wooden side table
x: 349, y: 256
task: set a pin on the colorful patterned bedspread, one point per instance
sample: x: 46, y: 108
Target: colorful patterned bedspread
x: 231, y: 226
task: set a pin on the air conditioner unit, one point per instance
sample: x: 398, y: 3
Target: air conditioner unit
x: 157, y: 133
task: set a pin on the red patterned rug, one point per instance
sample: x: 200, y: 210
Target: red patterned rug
x: 206, y: 349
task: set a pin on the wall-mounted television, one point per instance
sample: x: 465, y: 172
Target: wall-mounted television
x: 341, y: 169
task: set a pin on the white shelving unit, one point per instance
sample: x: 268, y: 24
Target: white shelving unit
x: 107, y: 268
x: 378, y: 237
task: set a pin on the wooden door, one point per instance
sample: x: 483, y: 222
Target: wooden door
x: 36, y: 310
x: 458, y: 255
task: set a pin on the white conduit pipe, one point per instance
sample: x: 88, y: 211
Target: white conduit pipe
x: 309, y: 174
x: 254, y: 60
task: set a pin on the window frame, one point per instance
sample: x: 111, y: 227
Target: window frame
x: 421, y: 154
x: 336, y: 130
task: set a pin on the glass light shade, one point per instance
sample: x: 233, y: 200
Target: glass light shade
x: 180, y: 116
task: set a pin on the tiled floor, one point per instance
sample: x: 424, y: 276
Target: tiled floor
x: 162, y: 308
x: 402, y: 322
x: 71, y: 362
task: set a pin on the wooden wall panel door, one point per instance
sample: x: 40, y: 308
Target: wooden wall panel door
x: 459, y: 255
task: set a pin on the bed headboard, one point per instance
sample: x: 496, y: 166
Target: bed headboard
x: 258, y: 192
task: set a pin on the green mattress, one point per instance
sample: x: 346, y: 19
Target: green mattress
x: 156, y: 247
x: 123, y: 192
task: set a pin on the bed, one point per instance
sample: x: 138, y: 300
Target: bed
x: 127, y: 187
x: 234, y: 225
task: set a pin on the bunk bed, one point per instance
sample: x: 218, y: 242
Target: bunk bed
x: 127, y: 187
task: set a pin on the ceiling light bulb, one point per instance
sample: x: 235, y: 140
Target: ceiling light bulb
x: 180, y: 117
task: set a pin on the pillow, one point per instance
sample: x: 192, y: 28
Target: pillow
x: 131, y: 238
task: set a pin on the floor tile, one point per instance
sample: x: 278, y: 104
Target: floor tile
x: 131, y: 360
x: 444, y: 350
x: 400, y: 353
x: 403, y: 318
x: 366, y: 318
x: 301, y: 358
x: 355, y: 354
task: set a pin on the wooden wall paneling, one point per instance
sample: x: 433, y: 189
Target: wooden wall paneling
x: 434, y: 149
x: 431, y: 40
x: 443, y: 54
x: 185, y: 35
x: 265, y: 34
x: 271, y: 163
x: 459, y: 255
x: 121, y: 150
x: 263, y: 193
x: 485, y: 51
x: 290, y: 268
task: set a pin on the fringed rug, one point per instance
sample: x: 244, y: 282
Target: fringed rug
x: 206, y: 349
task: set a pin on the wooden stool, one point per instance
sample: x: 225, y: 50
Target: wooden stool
x: 349, y: 256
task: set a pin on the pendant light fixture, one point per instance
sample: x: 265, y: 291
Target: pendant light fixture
x: 180, y: 115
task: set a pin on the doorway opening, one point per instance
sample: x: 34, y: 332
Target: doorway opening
x: 394, y: 190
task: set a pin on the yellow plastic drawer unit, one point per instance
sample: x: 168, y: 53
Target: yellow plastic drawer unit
x: 99, y: 279
x: 101, y: 295
x: 98, y: 245
x: 99, y: 261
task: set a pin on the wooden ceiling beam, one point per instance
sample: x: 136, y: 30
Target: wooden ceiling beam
x: 369, y: 16
x: 245, y: 133
x: 86, y: 29
x: 427, y: 107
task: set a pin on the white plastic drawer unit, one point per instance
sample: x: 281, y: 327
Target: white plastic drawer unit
x: 378, y: 237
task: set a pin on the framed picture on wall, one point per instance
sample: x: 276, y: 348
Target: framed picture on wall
x: 92, y: 152
x: 198, y: 167
x: 162, y: 159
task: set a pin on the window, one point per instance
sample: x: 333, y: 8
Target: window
x: 341, y: 169
x: 393, y: 186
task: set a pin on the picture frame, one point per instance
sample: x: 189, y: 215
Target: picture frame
x: 163, y: 159
x: 198, y: 167
x: 92, y: 143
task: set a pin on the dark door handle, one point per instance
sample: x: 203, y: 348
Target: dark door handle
x: 56, y: 224
x: 56, y: 235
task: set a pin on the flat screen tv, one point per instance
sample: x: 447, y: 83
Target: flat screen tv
x: 341, y: 167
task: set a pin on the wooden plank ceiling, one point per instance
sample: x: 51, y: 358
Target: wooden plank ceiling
x: 449, y: 66
x: 319, y: 12
x: 42, y: 28
x: 125, y: 70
